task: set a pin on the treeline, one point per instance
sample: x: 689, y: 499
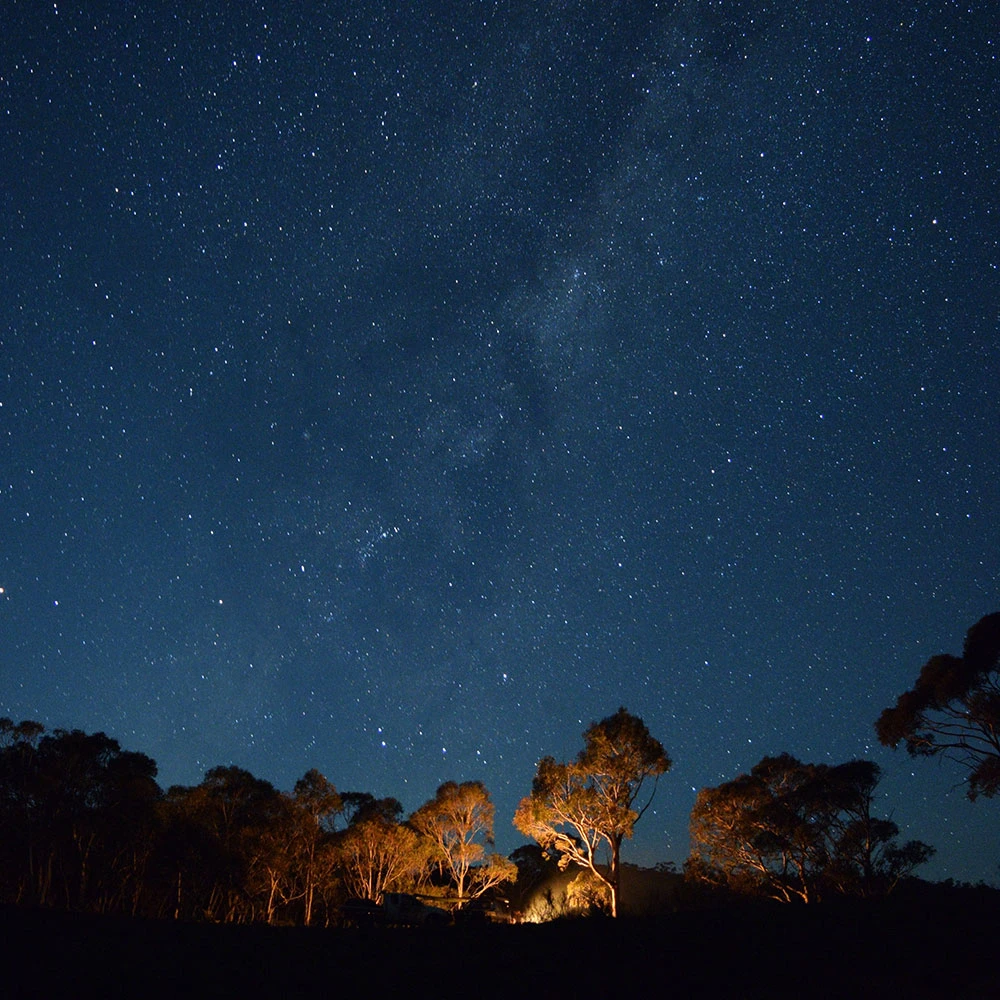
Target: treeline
x: 799, y: 832
x: 84, y: 826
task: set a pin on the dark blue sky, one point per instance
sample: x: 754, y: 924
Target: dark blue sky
x: 396, y: 389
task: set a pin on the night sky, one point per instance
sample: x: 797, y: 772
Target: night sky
x: 395, y: 389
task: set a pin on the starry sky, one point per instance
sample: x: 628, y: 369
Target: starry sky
x: 395, y: 389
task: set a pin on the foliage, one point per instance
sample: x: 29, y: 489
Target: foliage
x: 458, y: 821
x: 318, y: 798
x: 587, y: 893
x: 359, y: 806
x: 229, y: 834
x: 587, y: 807
x: 376, y: 855
x: 789, y: 830
x: 954, y: 709
x: 316, y: 806
x: 84, y: 825
x: 76, y: 817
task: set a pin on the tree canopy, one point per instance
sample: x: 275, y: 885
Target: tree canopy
x: 458, y: 821
x: 584, y: 809
x: 954, y: 709
x: 790, y: 830
x: 84, y: 825
x: 377, y: 854
x: 76, y: 814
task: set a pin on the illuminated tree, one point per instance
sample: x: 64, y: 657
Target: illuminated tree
x: 378, y: 854
x: 789, y: 829
x: 751, y: 832
x: 587, y: 893
x: 954, y: 709
x: 316, y: 806
x: 583, y: 810
x: 228, y: 845
x: 459, y: 823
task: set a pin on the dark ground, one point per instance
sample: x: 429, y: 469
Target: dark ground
x: 944, y: 945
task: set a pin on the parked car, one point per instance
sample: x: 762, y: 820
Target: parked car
x: 482, y: 910
x: 360, y: 913
x: 401, y: 908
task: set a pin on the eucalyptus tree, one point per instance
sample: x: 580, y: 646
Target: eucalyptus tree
x: 583, y: 810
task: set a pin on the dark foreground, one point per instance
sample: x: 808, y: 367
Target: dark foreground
x: 945, y: 947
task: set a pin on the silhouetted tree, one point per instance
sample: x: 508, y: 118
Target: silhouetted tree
x: 954, y: 709
x: 358, y: 806
x: 459, y: 823
x: 788, y: 829
x: 20, y: 829
x: 533, y: 864
x: 865, y: 857
x: 26, y: 732
x: 590, y: 803
x: 189, y: 855
x: 76, y: 817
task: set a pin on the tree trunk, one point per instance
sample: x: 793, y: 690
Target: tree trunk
x: 616, y: 857
x: 271, y: 897
x: 308, y: 904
